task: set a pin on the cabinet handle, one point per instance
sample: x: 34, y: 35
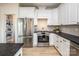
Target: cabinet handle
x: 60, y: 41
x: 64, y: 40
x: 56, y: 41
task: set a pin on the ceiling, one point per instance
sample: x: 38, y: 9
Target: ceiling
x: 47, y: 5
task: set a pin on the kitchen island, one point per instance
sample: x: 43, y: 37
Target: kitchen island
x: 11, y: 49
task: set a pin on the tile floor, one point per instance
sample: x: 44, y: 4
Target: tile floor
x: 40, y: 51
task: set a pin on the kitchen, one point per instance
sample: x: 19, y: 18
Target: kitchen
x: 36, y: 25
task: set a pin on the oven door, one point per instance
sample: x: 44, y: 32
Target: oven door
x: 43, y: 38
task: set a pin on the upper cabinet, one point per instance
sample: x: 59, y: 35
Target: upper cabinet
x: 50, y: 14
x: 78, y: 13
x: 43, y: 13
x: 68, y: 13
x: 53, y: 17
x: 60, y: 14
x: 27, y: 12
x: 72, y: 13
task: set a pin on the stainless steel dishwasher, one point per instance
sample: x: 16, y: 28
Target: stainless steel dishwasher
x: 74, y: 49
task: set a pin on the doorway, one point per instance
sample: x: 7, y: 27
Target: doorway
x: 10, y: 35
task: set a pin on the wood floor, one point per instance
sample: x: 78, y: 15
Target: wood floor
x: 40, y: 51
x: 27, y: 43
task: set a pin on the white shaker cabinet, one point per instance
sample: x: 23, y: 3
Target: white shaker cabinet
x: 56, y: 41
x: 35, y: 39
x: 52, y: 39
x: 54, y: 17
x: 72, y: 13
x: 59, y: 15
x: 42, y: 13
x: 27, y: 12
x: 62, y: 45
x: 66, y: 47
x: 78, y: 13
x: 68, y: 13
x: 65, y: 14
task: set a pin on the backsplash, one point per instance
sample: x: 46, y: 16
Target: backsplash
x: 74, y: 30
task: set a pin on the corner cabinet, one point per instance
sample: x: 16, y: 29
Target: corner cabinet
x: 62, y: 45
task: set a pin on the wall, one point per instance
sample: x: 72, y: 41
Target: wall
x: 74, y: 30
x: 7, y: 8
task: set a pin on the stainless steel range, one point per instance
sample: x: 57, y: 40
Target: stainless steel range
x: 43, y: 37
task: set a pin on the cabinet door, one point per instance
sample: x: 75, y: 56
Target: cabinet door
x: 55, y: 16
x: 66, y: 47
x: 51, y: 39
x: 65, y: 14
x: 78, y: 13
x: 62, y: 14
x: 59, y: 15
x: 61, y: 45
x: 26, y: 12
x: 35, y: 39
x: 56, y: 41
x: 72, y: 13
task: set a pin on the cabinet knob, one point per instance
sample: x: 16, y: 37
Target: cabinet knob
x: 60, y: 41
x: 56, y: 41
x: 64, y: 40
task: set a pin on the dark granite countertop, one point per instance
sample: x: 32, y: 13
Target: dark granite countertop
x: 70, y: 37
x: 9, y: 49
x: 43, y: 31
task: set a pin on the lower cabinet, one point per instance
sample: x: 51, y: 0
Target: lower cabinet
x: 56, y: 41
x: 65, y: 47
x: 62, y: 45
x: 35, y: 41
x: 51, y: 39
